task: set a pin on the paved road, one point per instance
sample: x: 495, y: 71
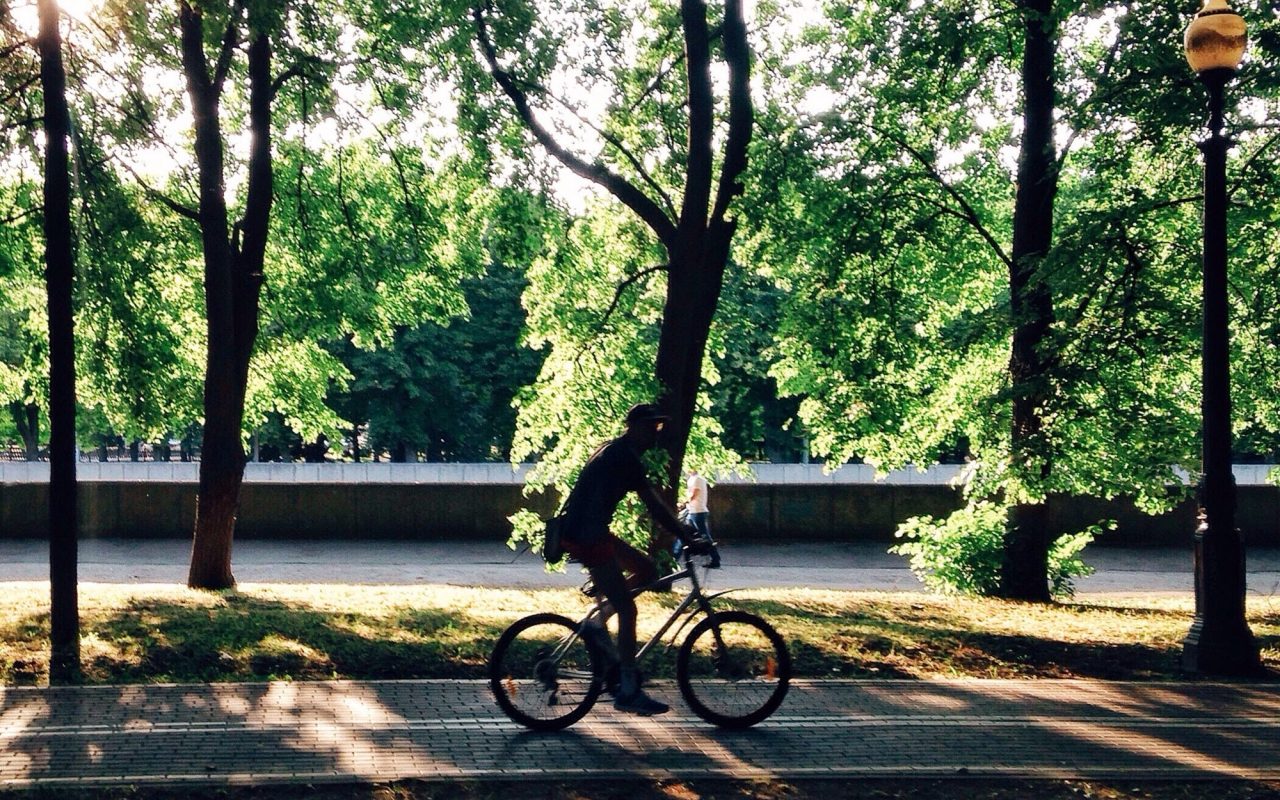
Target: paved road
x: 830, y: 566
x: 262, y: 733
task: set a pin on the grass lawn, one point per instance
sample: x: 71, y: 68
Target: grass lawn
x: 167, y: 633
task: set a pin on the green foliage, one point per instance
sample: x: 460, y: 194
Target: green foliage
x: 367, y: 243
x: 743, y: 397
x: 600, y: 335
x: 138, y: 370
x: 24, y: 350
x: 372, y: 227
x: 882, y: 207
x: 962, y: 553
x: 597, y: 365
x: 446, y: 389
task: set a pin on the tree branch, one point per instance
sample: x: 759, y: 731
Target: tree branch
x: 970, y: 214
x: 619, y: 187
x: 622, y: 287
x: 15, y: 47
x: 403, y: 179
x: 662, y: 73
x: 155, y: 194
x: 1108, y: 63
x: 20, y: 88
x: 195, y: 62
x: 1249, y: 162
x: 617, y: 298
x: 26, y: 212
x: 697, y: 48
x: 26, y: 122
x: 302, y: 69
x: 342, y: 200
x: 257, y: 207
x: 613, y: 140
x: 942, y: 208
x: 230, y: 39
x: 737, y: 54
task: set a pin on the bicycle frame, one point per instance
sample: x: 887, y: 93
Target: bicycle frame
x: 695, y: 596
x: 731, y: 667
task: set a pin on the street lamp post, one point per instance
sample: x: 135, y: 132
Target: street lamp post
x: 1219, y: 641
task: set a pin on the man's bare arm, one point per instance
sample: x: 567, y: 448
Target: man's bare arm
x: 659, y: 511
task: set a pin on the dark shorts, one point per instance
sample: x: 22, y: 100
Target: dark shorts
x: 593, y: 554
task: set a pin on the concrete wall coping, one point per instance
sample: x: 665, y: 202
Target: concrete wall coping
x: 491, y: 474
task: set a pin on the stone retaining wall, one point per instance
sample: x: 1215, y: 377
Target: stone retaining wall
x: 437, y: 501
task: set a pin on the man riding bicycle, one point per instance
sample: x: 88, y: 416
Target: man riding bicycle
x: 612, y: 471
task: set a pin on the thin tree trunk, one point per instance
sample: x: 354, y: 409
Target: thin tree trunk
x: 221, y: 461
x: 64, y: 623
x: 1024, y: 571
x: 233, y: 259
x: 26, y: 418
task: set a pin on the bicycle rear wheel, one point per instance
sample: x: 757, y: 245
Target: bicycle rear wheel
x: 542, y: 674
x: 733, y: 669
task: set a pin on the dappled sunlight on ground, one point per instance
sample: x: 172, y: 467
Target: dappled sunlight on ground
x: 170, y: 633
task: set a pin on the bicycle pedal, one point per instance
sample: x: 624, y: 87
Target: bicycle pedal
x: 589, y: 589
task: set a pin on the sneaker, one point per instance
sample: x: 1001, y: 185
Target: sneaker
x: 640, y: 703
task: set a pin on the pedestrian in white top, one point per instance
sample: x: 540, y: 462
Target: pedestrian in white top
x: 696, y: 501
x: 695, y: 506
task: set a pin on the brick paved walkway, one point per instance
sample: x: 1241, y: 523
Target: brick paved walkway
x: 260, y: 733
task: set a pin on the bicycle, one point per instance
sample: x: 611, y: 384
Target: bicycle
x: 733, y: 668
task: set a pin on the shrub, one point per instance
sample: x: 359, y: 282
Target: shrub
x: 961, y: 553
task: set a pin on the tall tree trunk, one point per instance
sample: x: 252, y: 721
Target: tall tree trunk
x: 693, y: 295
x: 698, y: 242
x: 1024, y: 571
x: 233, y: 258
x: 64, y: 622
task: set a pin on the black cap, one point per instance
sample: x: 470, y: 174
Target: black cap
x: 645, y: 412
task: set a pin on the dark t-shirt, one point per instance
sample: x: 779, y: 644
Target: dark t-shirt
x: 608, y: 475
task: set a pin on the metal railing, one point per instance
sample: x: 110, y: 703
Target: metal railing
x: 146, y: 452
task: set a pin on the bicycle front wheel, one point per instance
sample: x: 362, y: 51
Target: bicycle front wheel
x: 733, y: 669
x: 543, y: 674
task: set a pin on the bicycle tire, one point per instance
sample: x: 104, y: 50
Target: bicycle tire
x: 741, y: 686
x: 530, y: 688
